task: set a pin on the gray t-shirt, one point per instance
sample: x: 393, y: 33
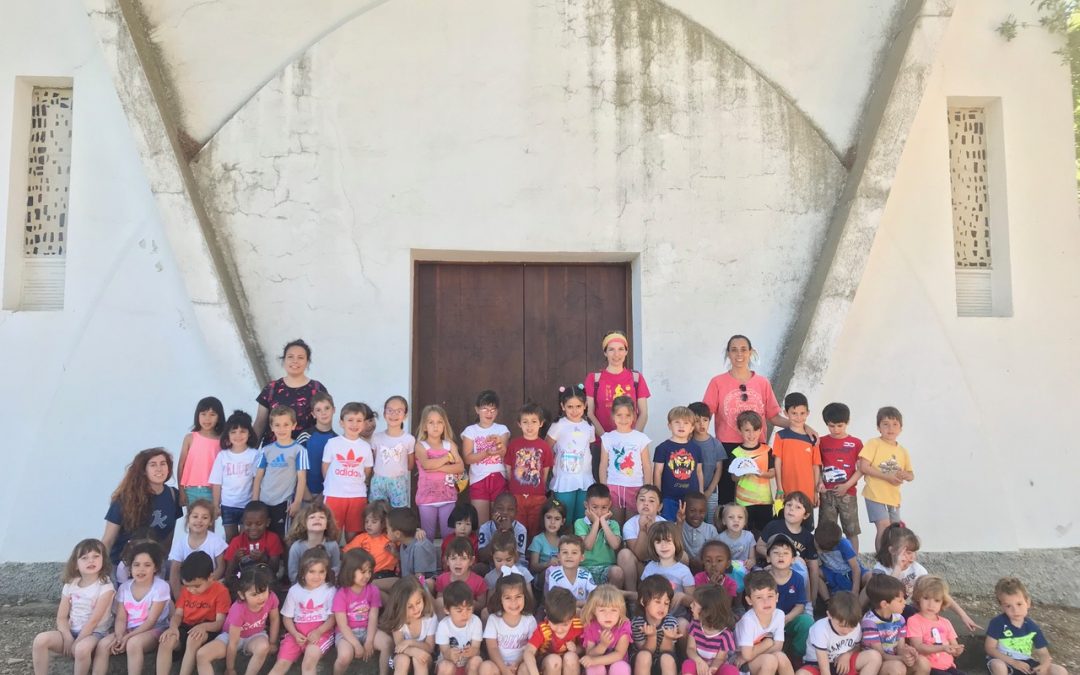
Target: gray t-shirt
x: 712, y: 453
x: 740, y: 548
x: 299, y: 547
x: 281, y: 464
x: 418, y: 558
x: 694, y: 538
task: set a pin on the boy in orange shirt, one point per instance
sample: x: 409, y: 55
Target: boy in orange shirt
x: 798, y: 459
x: 200, y: 613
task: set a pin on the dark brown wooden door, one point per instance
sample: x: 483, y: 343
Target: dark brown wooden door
x: 520, y: 329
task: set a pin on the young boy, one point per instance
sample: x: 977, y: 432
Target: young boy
x: 695, y: 531
x: 602, y: 536
x: 835, y: 640
x: 886, y: 465
x: 794, y: 524
x: 839, y: 473
x: 1015, y: 643
x: 556, y: 639
x: 504, y: 519
x: 568, y: 573
x: 200, y: 612
x: 884, y: 627
x: 459, y: 634
x: 459, y: 561
x: 752, y: 468
x: 255, y: 544
x: 346, y: 469
x: 504, y: 555
x: 281, y: 475
x: 759, y: 634
x: 528, y: 462
x: 791, y: 592
x: 415, y: 556
x: 314, y: 438
x: 798, y: 459
x: 677, y: 462
x: 840, y: 567
x: 635, y: 532
x: 712, y: 458
x: 655, y: 631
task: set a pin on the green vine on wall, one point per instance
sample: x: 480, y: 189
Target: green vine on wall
x: 1058, y: 17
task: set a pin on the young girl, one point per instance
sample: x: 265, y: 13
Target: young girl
x: 407, y: 630
x: 394, y: 451
x: 665, y: 540
x: 544, y: 549
x: 655, y: 630
x: 142, y: 611
x: 356, y: 610
x: 571, y: 439
x: 245, y: 629
x: 233, y: 474
x: 483, y: 447
x: 897, y: 557
x: 624, y: 460
x: 201, y: 445
x: 439, y: 466
x: 370, y: 418
x: 739, y: 540
x: 314, y: 527
x: 85, y: 611
x: 307, y: 615
x: 716, y: 559
x: 465, y: 522
x: 199, y: 538
x: 607, y: 633
x: 510, y: 624
x: 928, y: 632
x: 710, y: 639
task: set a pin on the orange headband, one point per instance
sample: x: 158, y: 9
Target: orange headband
x: 613, y: 337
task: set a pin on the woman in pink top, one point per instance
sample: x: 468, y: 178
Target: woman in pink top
x: 615, y: 380
x: 729, y: 394
x: 199, y: 449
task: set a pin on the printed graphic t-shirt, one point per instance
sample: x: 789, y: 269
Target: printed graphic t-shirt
x: 572, y: 469
x: 347, y: 462
x: 680, y: 462
x: 250, y: 623
x: 839, y: 460
x: 483, y: 441
x: 624, y: 457
x: 527, y: 461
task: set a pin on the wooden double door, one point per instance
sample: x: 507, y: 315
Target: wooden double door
x: 522, y: 329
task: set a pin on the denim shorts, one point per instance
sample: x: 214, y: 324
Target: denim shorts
x: 231, y: 515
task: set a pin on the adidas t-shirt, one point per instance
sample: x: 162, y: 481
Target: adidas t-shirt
x: 346, y: 463
x: 308, y: 606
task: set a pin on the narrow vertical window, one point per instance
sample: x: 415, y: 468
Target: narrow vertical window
x: 981, y: 281
x: 44, y: 240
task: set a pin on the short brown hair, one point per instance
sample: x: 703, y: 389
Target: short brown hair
x: 403, y: 519
x: 680, y: 412
x: 559, y: 605
x: 1010, y: 586
x: 844, y: 607
x: 827, y: 535
x: 889, y: 413
x: 503, y: 542
x: 748, y: 417
x: 883, y: 588
x: 459, y: 546
x: 283, y: 411
x: 573, y: 540
x: 761, y: 580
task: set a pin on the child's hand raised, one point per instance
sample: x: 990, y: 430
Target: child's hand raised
x: 605, y: 638
x: 680, y: 515
x: 673, y: 633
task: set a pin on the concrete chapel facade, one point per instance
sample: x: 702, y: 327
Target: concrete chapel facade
x: 817, y: 177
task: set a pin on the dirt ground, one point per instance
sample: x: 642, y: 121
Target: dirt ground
x: 20, y: 623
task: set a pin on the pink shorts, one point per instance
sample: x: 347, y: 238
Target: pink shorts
x: 623, y: 497
x: 487, y: 489
x: 291, y: 651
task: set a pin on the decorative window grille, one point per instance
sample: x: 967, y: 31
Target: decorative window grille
x: 971, y: 212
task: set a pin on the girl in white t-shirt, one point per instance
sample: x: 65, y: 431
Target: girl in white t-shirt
x: 233, y: 474
x: 199, y: 538
x: 394, y: 456
x: 143, y: 606
x: 85, y: 611
x: 571, y: 439
x: 510, y: 623
x: 307, y: 615
x: 483, y: 447
x: 407, y: 629
x: 625, y: 464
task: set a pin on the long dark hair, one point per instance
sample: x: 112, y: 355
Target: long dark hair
x: 133, y: 493
x: 213, y: 404
x: 239, y: 420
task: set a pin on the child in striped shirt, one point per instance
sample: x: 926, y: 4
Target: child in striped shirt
x: 710, y: 640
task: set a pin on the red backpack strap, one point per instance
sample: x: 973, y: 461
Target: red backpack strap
x: 596, y: 383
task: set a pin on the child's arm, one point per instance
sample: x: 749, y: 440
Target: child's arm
x: 823, y: 662
x: 971, y: 625
x: 594, y: 530
x: 315, y: 635
x: 298, y: 499
x: 604, y: 463
x: 219, y: 567
x: 207, y: 627
x: 290, y: 628
x: 325, y: 468
x: 275, y: 628
x: 692, y: 654
x: 813, y: 568
x: 534, y: 561
x: 468, y: 452
x: 233, y: 647
x: 174, y: 578
x: 646, y: 461
x: 778, y: 467
x: 256, y: 486
x: 871, y: 471
x: 184, y: 447
x: 481, y: 601
x: 617, y: 653
x: 215, y: 496
x: 657, y: 471
x: 700, y: 475
x: 63, y: 622
x: 274, y: 562
x: 456, y: 465
x: 856, y: 575
x: 590, y: 407
x: 156, y: 608
x: 795, y: 611
x: 643, y: 414
x: 528, y: 660
x: 1042, y: 655
x: 174, y: 625
x: 926, y: 649
x: 101, y: 607
x: 651, y: 633
x: 613, y: 540
x: 495, y: 656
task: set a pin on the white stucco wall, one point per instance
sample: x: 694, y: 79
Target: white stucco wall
x: 981, y: 397
x: 121, y: 367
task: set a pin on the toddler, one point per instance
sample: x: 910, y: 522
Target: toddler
x: 143, y: 606
x: 308, y: 615
x: 718, y: 569
x: 505, y: 560
x: 738, y: 539
x: 356, y: 610
x: 1015, y: 643
x: 255, y: 545
x: 710, y: 640
x: 315, y: 526
x: 930, y: 633
x: 407, y: 631
x: 463, y: 522
x: 376, y: 542
x: 200, y: 613
x: 667, y: 552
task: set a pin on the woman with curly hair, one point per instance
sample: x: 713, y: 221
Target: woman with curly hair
x: 143, y: 500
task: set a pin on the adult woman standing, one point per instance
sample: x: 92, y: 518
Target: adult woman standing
x: 729, y: 394
x: 615, y: 380
x: 294, y: 390
x: 143, y: 500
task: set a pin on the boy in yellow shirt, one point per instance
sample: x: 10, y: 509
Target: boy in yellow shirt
x: 886, y: 466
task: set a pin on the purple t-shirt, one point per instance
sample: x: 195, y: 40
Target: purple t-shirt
x: 593, y: 630
x: 357, y: 605
x: 251, y: 623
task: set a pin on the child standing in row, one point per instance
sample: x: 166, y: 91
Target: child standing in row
x: 233, y: 474
x: 798, y: 459
x: 887, y: 466
x: 839, y: 473
x: 281, y: 477
x: 528, y: 461
x: 438, y: 466
x: 624, y: 460
x: 201, y: 445
x: 314, y: 438
x: 483, y: 447
x: 395, y: 458
x: 346, y: 468
x: 677, y: 462
x: 571, y: 438
x: 713, y: 456
x: 752, y: 468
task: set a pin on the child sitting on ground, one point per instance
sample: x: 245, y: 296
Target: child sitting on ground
x: 840, y: 566
x: 463, y: 522
x: 505, y: 561
x: 796, y: 523
x: 667, y: 552
x: 503, y: 519
x: 718, y: 570
x: 556, y: 641
x: 544, y: 549
x: 252, y: 625
x: 415, y: 556
x: 695, y: 531
x: 1015, y: 643
x: 569, y: 574
x: 376, y: 542
x: 199, y: 615
x: 738, y: 539
x: 356, y: 610
x: 458, y: 568
x: 315, y: 526
x: 759, y: 634
x: 602, y: 536
x: 834, y: 641
x: 460, y: 633
x: 791, y: 593
x: 709, y: 640
x: 884, y: 628
x: 931, y: 634
x: 632, y: 558
x: 255, y: 545
x: 654, y: 630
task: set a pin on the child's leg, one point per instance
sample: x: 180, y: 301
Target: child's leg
x: 428, y: 517
x: 796, y: 632
x: 866, y: 662
x: 384, y: 644
x: 345, y: 656
x: 783, y: 663
x: 489, y: 668
x: 165, y: 655
x: 619, y: 668
x: 83, y: 652
x: 712, y: 501
x: 49, y: 641
x: 259, y: 648
x: 187, y: 663
x: 204, y: 659
x: 444, y: 515
x: 445, y: 668
x: 102, y: 654
x: 421, y: 662
x: 312, y: 654
x: 765, y: 664
x: 571, y: 664
x: 551, y: 665
x: 897, y: 667
x: 137, y: 647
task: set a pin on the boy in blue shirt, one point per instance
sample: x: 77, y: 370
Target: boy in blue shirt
x: 791, y: 592
x: 1014, y: 643
x: 677, y: 463
x: 712, y: 460
x: 314, y: 438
